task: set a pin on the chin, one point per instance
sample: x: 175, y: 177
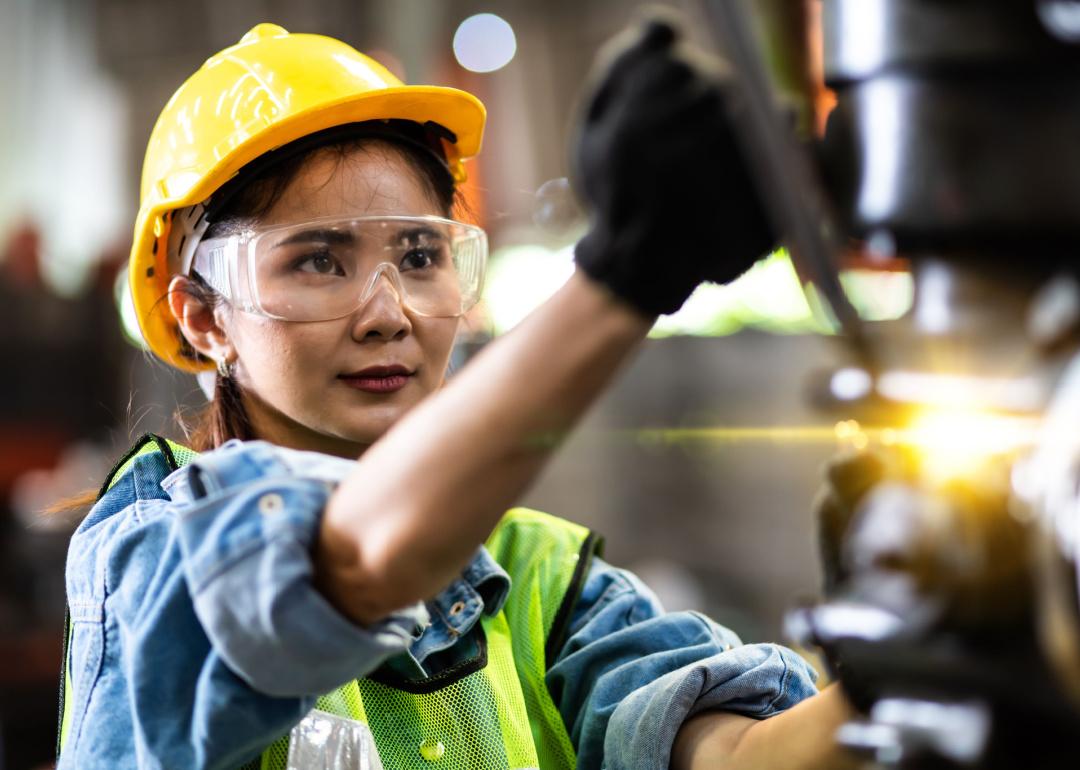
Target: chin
x: 362, y: 426
x: 369, y: 430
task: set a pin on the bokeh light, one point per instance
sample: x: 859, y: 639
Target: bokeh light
x: 958, y: 443
x: 125, y: 306
x: 484, y: 43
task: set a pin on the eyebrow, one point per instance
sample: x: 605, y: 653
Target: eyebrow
x: 345, y: 238
x: 416, y: 233
x: 336, y: 237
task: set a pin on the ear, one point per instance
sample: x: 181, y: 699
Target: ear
x: 199, y: 322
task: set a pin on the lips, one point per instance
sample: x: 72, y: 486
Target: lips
x: 378, y: 379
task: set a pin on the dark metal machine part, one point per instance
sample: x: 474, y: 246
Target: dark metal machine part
x: 955, y: 126
x: 956, y: 137
x: 955, y: 133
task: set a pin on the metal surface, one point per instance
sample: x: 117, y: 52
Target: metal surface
x: 865, y: 38
x: 982, y: 163
x: 954, y: 140
x: 955, y: 127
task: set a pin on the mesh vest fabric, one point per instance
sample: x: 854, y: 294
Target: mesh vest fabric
x: 501, y: 715
x: 493, y: 711
x: 547, y: 560
x: 475, y: 719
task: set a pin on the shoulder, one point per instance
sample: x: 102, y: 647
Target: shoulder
x: 607, y: 586
x: 615, y: 600
x: 239, y: 463
x: 133, y: 509
x: 133, y: 525
x: 527, y: 541
x: 616, y: 606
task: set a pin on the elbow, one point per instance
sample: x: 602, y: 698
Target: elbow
x: 364, y: 596
x: 367, y: 578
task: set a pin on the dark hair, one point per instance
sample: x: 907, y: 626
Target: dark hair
x: 252, y: 194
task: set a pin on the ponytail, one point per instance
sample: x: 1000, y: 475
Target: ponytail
x: 224, y: 418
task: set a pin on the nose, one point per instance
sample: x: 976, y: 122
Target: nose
x: 381, y: 314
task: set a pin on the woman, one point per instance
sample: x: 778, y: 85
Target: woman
x: 273, y: 602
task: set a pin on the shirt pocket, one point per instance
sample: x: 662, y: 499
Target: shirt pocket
x: 86, y: 653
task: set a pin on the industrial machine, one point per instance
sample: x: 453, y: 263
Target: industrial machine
x: 951, y: 151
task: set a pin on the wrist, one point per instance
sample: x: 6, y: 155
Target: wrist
x: 633, y: 272
x: 603, y: 305
x: 607, y: 300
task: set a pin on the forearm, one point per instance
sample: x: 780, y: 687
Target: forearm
x: 801, y: 738
x: 426, y: 494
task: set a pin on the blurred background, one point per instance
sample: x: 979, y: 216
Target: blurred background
x: 699, y: 466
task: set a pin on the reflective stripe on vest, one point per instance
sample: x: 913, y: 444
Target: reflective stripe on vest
x: 491, y: 711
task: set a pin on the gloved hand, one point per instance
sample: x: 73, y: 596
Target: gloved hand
x: 657, y: 161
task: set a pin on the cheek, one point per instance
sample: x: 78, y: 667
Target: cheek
x: 436, y: 336
x: 279, y: 358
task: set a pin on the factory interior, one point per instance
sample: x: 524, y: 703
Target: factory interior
x: 862, y: 452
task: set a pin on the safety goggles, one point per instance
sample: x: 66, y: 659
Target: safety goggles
x: 327, y: 268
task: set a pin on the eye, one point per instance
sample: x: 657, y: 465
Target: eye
x: 420, y: 257
x: 321, y: 262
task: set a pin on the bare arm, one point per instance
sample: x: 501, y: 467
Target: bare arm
x: 799, y: 739
x: 405, y: 522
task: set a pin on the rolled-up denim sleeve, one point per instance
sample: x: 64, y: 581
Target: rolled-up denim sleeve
x: 247, y: 544
x: 630, y: 674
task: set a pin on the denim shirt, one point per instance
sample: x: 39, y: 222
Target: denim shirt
x: 198, y: 637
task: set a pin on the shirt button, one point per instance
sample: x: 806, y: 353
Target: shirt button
x: 432, y: 751
x: 457, y: 608
x: 271, y: 503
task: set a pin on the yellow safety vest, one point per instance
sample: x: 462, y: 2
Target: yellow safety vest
x: 493, y: 711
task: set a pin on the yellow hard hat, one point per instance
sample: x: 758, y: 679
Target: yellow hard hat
x: 269, y: 89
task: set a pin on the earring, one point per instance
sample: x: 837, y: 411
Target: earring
x: 223, y: 369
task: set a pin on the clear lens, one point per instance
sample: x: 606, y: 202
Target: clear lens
x: 326, y: 269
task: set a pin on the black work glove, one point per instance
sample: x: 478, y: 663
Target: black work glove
x: 657, y: 161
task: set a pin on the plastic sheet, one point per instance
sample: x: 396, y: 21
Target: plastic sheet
x: 324, y: 741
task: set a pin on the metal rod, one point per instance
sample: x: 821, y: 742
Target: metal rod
x: 783, y: 171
